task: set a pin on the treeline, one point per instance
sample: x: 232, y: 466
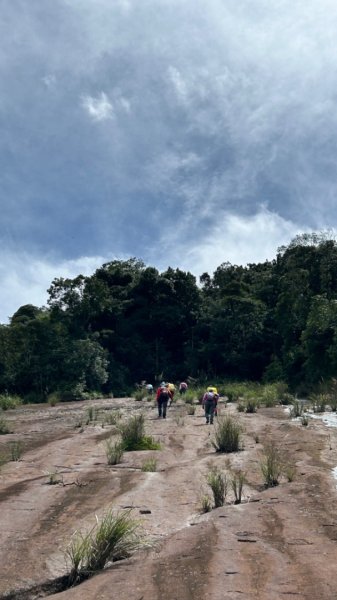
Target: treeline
x: 274, y: 321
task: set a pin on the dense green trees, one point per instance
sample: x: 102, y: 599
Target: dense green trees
x: 128, y: 322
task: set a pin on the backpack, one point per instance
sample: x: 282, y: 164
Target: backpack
x: 164, y: 394
x: 210, y: 397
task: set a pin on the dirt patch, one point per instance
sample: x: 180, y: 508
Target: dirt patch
x: 280, y: 543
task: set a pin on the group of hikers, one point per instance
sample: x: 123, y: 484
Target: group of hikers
x: 165, y: 394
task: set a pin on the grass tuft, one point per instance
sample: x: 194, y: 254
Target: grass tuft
x: 114, y: 451
x: 217, y: 481
x: 149, y: 465
x: 227, y: 435
x: 271, y: 465
x: 133, y: 435
x: 114, y: 537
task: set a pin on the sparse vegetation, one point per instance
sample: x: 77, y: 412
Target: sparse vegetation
x: 149, y: 465
x: 217, y: 481
x: 305, y: 420
x: 227, y: 435
x: 115, y: 537
x: 16, y: 449
x: 190, y: 409
x: 7, y: 402
x: 238, y: 480
x: 112, y: 417
x: 133, y: 435
x: 54, y: 477
x: 296, y: 409
x: 114, y: 451
x: 319, y: 402
x: 205, y: 503
x: 271, y: 465
x: 4, y: 427
x: 92, y: 414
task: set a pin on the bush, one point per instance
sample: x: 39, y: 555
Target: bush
x: 205, y: 504
x: 115, y: 537
x: 4, y: 428
x: 112, y: 417
x: 217, y: 481
x: 140, y: 395
x: 296, y: 410
x: 16, y: 450
x: 149, y: 465
x: 251, y: 405
x: 271, y: 465
x: 237, y: 481
x: 319, y: 402
x: 114, y: 451
x: 133, y: 435
x: 7, y: 402
x: 227, y: 435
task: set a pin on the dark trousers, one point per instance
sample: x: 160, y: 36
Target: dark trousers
x: 162, y: 406
x: 209, y: 411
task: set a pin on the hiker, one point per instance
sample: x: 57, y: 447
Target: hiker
x: 149, y: 388
x: 171, y: 388
x: 209, y: 402
x: 163, y: 397
x: 183, y: 387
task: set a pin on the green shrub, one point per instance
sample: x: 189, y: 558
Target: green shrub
x: 16, y: 450
x: 4, y: 428
x: 114, y: 537
x: 92, y: 414
x: 296, y: 410
x: 217, y: 481
x: 270, y: 396
x: 133, y: 435
x: 237, y: 481
x: 319, y: 402
x: 7, y: 402
x: 305, y: 420
x: 114, y: 451
x: 205, y: 504
x: 54, y: 398
x: 149, y: 465
x: 227, y: 435
x: 140, y: 395
x: 112, y: 417
x: 54, y: 478
x: 251, y: 405
x: 271, y: 465
x: 190, y: 409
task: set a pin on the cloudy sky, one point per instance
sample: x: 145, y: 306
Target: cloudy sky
x: 183, y: 132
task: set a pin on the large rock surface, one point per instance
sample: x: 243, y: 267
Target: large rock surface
x: 280, y: 543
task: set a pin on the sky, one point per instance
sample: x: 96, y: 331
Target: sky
x: 182, y: 132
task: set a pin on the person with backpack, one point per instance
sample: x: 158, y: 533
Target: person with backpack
x: 182, y: 388
x: 209, y: 402
x: 163, y: 398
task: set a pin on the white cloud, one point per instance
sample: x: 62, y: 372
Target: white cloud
x: 25, y: 279
x: 100, y: 108
x: 233, y: 238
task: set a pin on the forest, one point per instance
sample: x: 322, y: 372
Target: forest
x: 273, y: 321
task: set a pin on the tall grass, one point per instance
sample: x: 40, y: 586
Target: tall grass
x: 296, y: 409
x: 271, y: 465
x: 237, y: 482
x: 115, y: 537
x: 227, y: 435
x: 149, y: 465
x: 217, y: 481
x: 16, y: 449
x: 114, y: 451
x: 7, y: 401
x: 4, y: 427
x: 133, y: 435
